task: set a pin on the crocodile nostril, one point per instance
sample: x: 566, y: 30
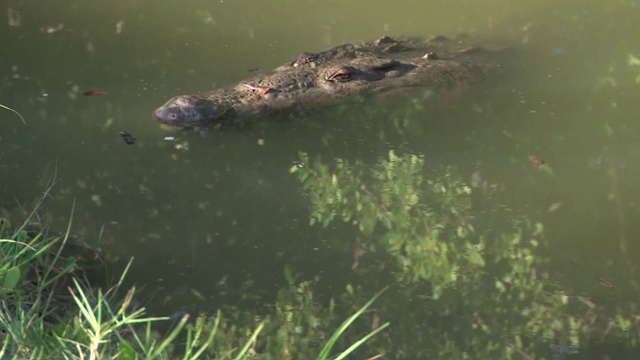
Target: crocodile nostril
x: 305, y: 58
x: 392, y: 73
x: 431, y: 55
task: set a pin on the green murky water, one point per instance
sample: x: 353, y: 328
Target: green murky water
x: 221, y: 210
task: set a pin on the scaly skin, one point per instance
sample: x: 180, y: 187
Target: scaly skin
x: 315, y: 80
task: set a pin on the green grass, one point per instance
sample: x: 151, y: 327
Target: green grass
x: 41, y: 320
x: 324, y: 354
x: 48, y: 310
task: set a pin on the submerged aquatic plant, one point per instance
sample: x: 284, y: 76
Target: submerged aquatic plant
x: 475, y: 282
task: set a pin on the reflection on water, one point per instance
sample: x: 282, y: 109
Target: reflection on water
x: 212, y: 217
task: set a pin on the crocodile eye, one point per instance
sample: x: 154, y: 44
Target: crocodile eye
x: 339, y: 74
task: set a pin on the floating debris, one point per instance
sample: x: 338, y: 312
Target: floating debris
x: 586, y: 301
x: 128, y: 138
x: 119, y: 26
x: 53, y: 29
x: 555, y: 206
x: 606, y: 283
x: 94, y: 93
x: 170, y: 138
x: 537, y: 160
x: 182, y: 147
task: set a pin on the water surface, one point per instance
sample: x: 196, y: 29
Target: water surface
x: 214, y: 210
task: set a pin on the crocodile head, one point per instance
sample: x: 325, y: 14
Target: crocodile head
x: 327, y: 77
x: 189, y: 110
x: 296, y: 87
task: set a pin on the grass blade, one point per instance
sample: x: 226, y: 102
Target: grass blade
x: 249, y: 342
x: 13, y: 111
x: 324, y: 354
x: 360, y: 342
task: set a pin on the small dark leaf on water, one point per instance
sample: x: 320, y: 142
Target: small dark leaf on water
x: 128, y: 138
x: 537, y: 160
x: 253, y: 69
x: 94, y: 93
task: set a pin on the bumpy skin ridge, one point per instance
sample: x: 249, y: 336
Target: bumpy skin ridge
x: 314, y: 80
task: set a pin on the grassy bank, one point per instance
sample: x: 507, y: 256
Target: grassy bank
x: 49, y: 309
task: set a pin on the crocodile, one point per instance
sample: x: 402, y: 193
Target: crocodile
x: 316, y: 79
